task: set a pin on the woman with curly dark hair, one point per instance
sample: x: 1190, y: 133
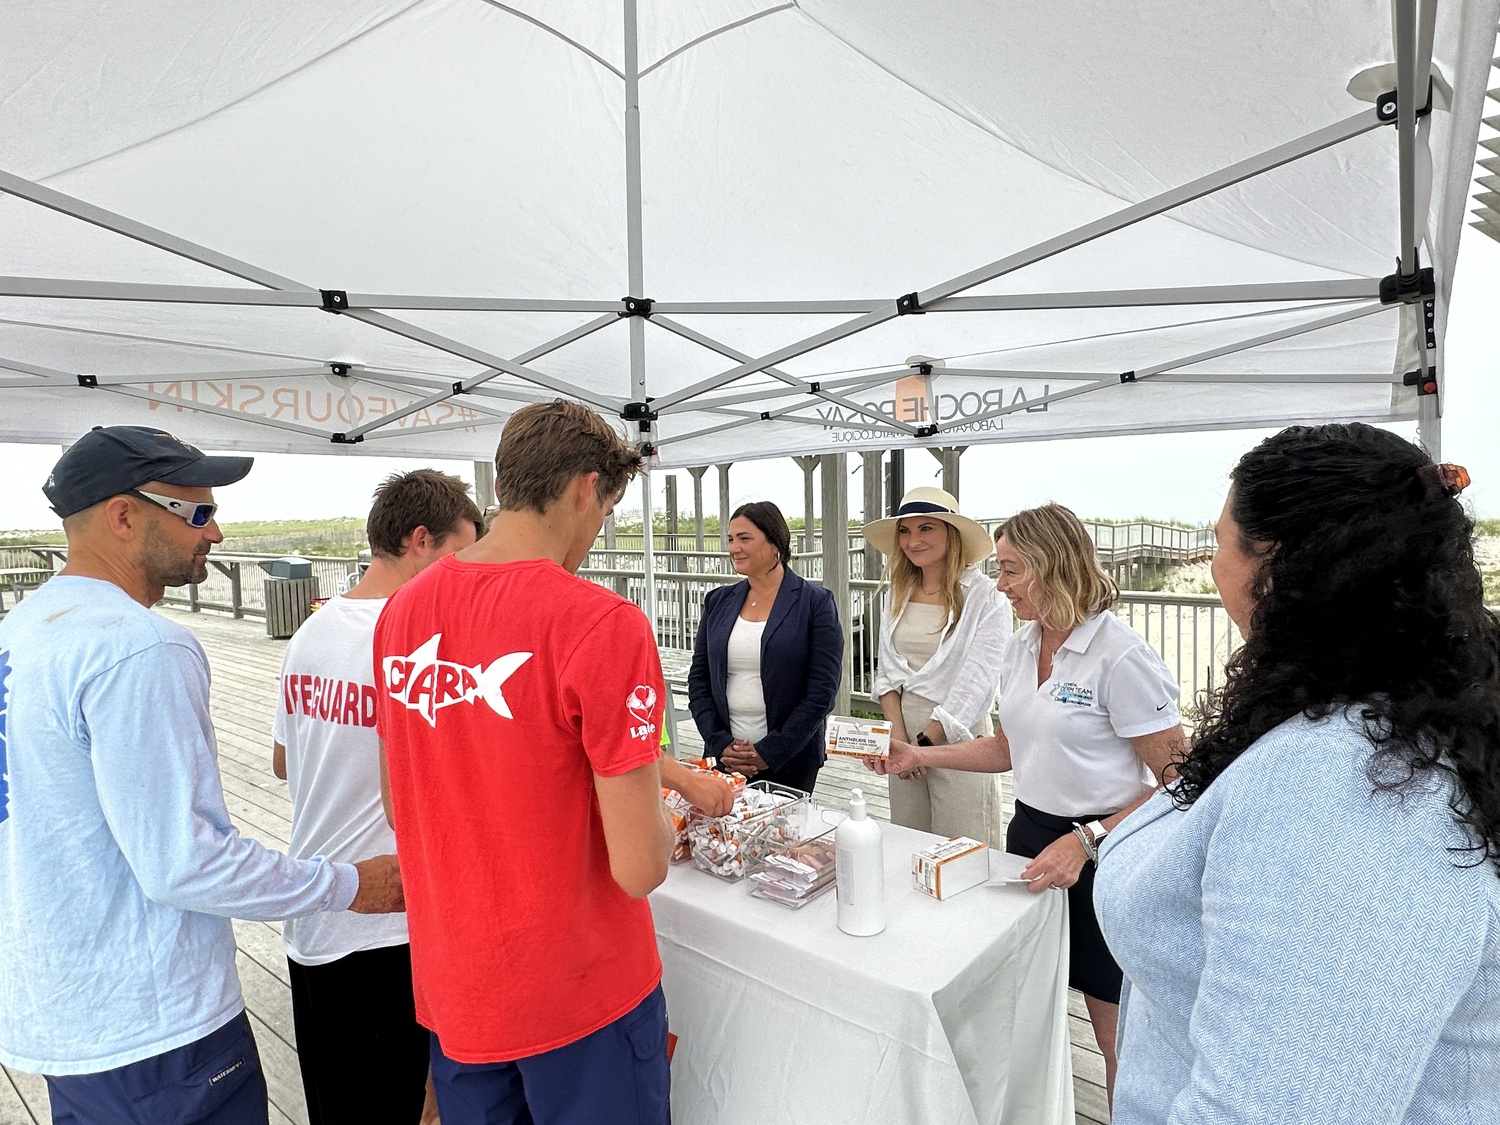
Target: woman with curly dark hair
x: 1309, y: 916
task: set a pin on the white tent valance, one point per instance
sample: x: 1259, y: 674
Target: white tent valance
x: 750, y: 228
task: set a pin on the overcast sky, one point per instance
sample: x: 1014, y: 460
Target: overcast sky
x: 1168, y: 476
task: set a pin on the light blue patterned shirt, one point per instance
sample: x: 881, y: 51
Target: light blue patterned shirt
x: 119, y: 867
x: 1300, y: 949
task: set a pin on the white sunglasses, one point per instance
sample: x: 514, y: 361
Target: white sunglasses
x: 196, y: 514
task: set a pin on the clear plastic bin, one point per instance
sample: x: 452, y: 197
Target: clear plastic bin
x: 679, y: 811
x: 764, y: 816
x: 794, y: 874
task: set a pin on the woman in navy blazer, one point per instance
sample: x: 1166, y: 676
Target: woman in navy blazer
x: 776, y: 629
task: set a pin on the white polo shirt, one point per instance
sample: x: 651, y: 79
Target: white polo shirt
x: 1069, y: 738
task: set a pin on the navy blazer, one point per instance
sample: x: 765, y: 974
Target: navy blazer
x: 801, y: 660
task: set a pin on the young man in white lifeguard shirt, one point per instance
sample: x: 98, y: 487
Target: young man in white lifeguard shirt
x: 362, y: 1053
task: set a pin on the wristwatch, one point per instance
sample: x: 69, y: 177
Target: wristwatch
x: 923, y: 740
x: 1097, y: 830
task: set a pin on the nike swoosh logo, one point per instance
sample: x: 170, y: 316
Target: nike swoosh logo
x: 1163, y: 707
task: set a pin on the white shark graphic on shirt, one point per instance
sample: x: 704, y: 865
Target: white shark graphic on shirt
x: 425, y: 684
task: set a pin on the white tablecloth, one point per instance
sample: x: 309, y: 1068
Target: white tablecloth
x: 957, y: 1013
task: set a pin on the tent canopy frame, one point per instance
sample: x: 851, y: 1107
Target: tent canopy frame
x: 1413, y: 23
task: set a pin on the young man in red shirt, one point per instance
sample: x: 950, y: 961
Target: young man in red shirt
x: 351, y: 975
x: 521, y: 713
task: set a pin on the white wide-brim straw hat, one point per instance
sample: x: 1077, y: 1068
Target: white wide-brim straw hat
x: 938, y: 505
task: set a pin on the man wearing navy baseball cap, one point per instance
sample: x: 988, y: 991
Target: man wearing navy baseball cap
x: 119, y: 867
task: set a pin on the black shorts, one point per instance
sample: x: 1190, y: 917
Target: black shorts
x: 1091, y: 967
x: 362, y: 1053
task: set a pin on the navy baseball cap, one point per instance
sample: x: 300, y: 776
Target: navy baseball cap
x: 109, y: 460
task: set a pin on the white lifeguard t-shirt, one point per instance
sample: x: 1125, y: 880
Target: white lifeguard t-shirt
x: 326, y: 720
x: 1069, y: 737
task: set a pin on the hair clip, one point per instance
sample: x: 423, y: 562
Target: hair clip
x: 1453, y: 479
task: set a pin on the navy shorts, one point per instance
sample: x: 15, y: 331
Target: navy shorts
x: 215, y: 1080
x: 616, y: 1076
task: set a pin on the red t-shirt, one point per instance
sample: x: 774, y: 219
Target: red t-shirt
x: 503, y: 689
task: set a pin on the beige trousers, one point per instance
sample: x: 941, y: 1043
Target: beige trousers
x: 947, y: 802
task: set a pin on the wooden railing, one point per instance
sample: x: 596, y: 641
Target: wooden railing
x: 1192, y: 632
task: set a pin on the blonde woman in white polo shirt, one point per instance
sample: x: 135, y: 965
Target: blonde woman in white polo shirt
x: 1088, y: 723
x: 943, y: 635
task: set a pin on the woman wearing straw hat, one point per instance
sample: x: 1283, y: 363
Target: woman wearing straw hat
x: 943, y: 634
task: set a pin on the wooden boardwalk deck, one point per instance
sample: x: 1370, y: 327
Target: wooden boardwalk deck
x: 246, y: 664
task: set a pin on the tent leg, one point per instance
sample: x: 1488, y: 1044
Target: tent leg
x: 1429, y: 426
x: 648, y: 552
x: 836, y: 561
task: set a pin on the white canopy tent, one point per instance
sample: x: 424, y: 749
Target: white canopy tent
x: 378, y: 226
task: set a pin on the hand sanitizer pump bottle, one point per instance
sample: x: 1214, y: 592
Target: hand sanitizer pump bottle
x: 861, y: 871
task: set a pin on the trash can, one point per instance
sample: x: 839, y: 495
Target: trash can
x: 290, y: 590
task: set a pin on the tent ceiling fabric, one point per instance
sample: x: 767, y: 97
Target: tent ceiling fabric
x: 806, y: 162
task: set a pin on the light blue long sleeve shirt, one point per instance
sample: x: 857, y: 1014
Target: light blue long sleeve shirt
x: 119, y: 867
x: 1300, y: 949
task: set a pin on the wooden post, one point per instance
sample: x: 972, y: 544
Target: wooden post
x: 724, y: 508
x: 671, y: 543
x: 895, y: 486
x: 807, y: 465
x: 484, y: 484
x: 873, y: 468
x: 950, y: 468
x: 948, y: 457
x: 697, y: 471
x: 836, y: 560
x: 612, y: 560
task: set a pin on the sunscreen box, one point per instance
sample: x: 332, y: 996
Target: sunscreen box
x: 858, y: 738
x: 946, y: 869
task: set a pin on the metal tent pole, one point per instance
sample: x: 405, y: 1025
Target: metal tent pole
x: 465, y: 385
x: 1142, y: 374
x: 790, y: 380
x: 1407, y: 100
x: 636, y: 269
x: 648, y: 550
x: 1412, y: 31
x: 835, y: 469
x: 1272, y: 158
x: 635, y: 253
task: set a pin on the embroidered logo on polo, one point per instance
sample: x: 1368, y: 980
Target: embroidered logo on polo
x: 4, y: 711
x: 426, y: 684
x: 1071, y: 693
x: 641, y: 703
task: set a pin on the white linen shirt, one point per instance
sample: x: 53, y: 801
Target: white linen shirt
x: 1069, y: 738
x: 962, y: 675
